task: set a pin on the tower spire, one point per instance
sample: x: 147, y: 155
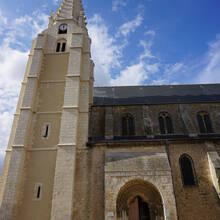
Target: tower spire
x: 70, y: 9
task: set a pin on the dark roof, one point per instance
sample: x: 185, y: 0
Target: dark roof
x: 136, y: 95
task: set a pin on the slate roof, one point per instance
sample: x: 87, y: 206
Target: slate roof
x: 165, y: 94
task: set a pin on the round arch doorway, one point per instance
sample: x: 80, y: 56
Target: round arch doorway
x: 139, y: 200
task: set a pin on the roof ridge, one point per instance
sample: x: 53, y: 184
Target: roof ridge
x: 167, y: 85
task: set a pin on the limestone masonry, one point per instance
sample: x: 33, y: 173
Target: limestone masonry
x: 107, y: 153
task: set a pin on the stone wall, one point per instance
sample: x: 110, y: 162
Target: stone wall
x: 200, y: 201
x: 183, y: 117
x: 113, y: 165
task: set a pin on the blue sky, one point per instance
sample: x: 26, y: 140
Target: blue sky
x: 134, y: 42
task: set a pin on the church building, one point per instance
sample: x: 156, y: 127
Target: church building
x: 78, y: 152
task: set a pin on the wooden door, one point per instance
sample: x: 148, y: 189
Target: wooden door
x: 133, y: 213
x: 144, y: 212
x: 138, y: 210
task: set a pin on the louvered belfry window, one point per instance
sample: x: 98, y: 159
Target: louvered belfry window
x: 165, y: 123
x: 128, y: 125
x: 204, y: 122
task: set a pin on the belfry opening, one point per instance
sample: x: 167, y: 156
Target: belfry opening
x: 139, y: 200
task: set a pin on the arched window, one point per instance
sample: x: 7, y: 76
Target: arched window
x: 187, y: 170
x: 165, y: 122
x: 204, y: 122
x: 128, y: 125
x: 61, y: 46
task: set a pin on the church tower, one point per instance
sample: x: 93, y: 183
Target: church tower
x: 50, y: 127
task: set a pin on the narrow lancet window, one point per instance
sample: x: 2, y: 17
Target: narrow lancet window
x: 38, y: 191
x: 63, y: 47
x: 204, y: 122
x: 46, y: 130
x: 128, y: 125
x: 58, y: 47
x: 165, y: 123
x: 187, y: 170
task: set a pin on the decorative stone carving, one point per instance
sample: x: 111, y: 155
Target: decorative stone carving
x: 148, y: 124
x: 214, y: 165
x: 186, y: 119
x: 218, y: 119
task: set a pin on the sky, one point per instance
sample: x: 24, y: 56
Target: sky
x: 134, y: 42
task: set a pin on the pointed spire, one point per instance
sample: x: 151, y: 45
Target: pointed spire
x: 70, y: 9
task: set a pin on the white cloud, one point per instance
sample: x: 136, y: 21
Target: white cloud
x: 139, y: 72
x: 3, y: 22
x: 106, y: 53
x: 130, y: 26
x: 172, y: 69
x: 135, y: 74
x: 159, y: 81
x: 203, y: 69
x: 131, y: 75
x: 15, y: 32
x: 151, y: 33
x: 116, y: 4
x: 211, y: 71
x: 147, y: 44
x: 55, y: 2
x: 170, y: 73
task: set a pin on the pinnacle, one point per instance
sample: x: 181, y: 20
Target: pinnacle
x: 70, y: 9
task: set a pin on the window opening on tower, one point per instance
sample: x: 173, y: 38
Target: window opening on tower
x: 38, y: 191
x: 61, y: 46
x: 46, y: 130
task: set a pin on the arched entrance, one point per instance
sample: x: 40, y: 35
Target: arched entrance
x: 139, y: 200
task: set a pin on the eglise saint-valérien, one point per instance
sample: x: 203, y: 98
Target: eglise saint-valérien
x: 106, y: 153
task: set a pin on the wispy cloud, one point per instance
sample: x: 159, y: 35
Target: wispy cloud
x: 130, y: 26
x: 146, y: 44
x: 55, y: 2
x: 210, y: 72
x: 116, y: 4
x: 3, y: 22
x: 151, y: 33
x: 106, y: 52
x: 131, y: 75
x: 137, y: 73
x: 169, y: 73
x: 202, y: 69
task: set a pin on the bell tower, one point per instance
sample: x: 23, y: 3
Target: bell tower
x: 50, y: 125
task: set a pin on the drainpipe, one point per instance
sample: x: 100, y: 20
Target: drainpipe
x: 168, y: 156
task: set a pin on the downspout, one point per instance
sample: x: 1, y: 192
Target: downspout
x: 169, y: 161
